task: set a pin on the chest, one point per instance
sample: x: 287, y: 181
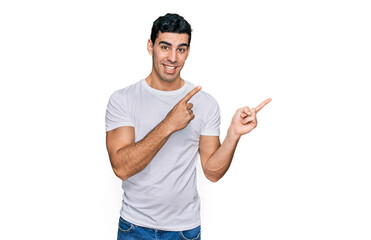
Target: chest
x: 148, y: 113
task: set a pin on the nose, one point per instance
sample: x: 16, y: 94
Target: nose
x: 172, y: 56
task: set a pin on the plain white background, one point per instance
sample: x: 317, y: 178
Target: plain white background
x: 304, y: 173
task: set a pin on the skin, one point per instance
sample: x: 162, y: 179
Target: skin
x: 169, y: 50
x: 169, y: 53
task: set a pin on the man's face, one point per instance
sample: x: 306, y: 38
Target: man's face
x: 169, y: 54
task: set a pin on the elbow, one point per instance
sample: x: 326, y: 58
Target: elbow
x: 119, y: 169
x: 120, y: 174
x: 212, y: 178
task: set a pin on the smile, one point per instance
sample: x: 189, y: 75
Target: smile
x: 170, y: 68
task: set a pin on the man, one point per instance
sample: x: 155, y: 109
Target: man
x: 155, y: 130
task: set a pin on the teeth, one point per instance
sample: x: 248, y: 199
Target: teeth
x: 170, y: 68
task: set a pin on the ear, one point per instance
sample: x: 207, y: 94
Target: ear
x: 150, y: 47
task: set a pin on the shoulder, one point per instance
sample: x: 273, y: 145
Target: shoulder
x: 207, y: 96
x: 203, y: 97
x: 127, y: 93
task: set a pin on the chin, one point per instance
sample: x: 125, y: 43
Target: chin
x: 169, y: 79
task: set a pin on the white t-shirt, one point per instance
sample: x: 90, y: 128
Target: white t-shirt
x: 164, y: 194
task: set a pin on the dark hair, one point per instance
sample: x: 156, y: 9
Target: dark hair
x: 171, y: 23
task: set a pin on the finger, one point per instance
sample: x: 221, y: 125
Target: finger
x: 249, y: 119
x: 247, y: 110
x: 244, y: 111
x: 255, y: 123
x: 261, y: 105
x: 191, y: 94
x: 189, y: 106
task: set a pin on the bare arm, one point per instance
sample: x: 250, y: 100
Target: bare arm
x: 129, y: 158
x: 216, y: 158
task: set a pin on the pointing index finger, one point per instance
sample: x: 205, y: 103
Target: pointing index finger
x: 261, y: 105
x: 191, y: 94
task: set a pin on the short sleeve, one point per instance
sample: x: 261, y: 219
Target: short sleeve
x: 117, y: 112
x: 212, y: 123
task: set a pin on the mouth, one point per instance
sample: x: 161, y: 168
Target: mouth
x: 169, y: 69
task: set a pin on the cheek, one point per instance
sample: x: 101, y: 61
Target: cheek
x: 182, y: 59
x: 159, y: 57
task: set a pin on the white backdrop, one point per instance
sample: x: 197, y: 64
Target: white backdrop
x: 304, y: 173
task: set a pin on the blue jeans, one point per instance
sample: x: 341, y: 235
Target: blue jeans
x: 129, y: 231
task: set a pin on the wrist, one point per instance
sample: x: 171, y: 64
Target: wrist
x: 232, y: 135
x: 165, y: 128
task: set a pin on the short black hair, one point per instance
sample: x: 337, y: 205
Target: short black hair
x: 172, y: 23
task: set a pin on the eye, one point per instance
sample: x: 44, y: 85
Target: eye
x: 165, y: 47
x: 181, y: 50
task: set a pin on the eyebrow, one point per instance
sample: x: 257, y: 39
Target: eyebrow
x: 169, y: 44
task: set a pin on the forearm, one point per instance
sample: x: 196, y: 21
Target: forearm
x: 133, y: 158
x: 218, y: 164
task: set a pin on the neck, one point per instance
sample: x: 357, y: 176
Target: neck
x: 159, y: 84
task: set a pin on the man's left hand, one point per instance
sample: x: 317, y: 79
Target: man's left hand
x: 244, y: 120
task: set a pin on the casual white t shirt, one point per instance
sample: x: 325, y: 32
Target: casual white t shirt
x: 164, y: 194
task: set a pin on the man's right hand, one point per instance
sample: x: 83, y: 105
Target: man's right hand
x: 181, y: 114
